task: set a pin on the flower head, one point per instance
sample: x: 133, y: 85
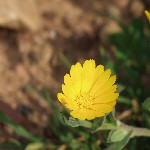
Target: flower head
x: 147, y: 15
x: 88, y: 91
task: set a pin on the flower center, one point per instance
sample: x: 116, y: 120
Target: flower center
x: 84, y: 100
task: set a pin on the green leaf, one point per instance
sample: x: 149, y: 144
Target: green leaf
x: 146, y: 105
x: 124, y: 100
x: 35, y: 146
x: 41, y: 146
x: 146, y: 111
x: 76, y: 123
x: 121, y: 55
x: 57, y: 125
x: 120, y: 88
x: 110, y: 64
x: 120, y: 144
x: 106, y: 126
x: 13, y: 144
x: 56, y: 110
x: 65, y: 61
x: 109, y: 122
x: 56, y: 129
x: 104, y: 55
x: 19, y: 130
x: 110, y: 118
x: 116, y: 135
x: 97, y: 123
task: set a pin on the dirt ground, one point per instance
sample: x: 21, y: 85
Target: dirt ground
x: 31, y: 54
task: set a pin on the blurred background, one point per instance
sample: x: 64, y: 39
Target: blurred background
x: 40, y: 39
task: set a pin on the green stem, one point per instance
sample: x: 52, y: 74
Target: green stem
x: 136, y: 131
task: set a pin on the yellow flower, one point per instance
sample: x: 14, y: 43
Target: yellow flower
x: 147, y: 15
x: 88, y: 91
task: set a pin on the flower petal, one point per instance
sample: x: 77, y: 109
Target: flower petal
x: 102, y: 108
x: 106, y: 98
x: 91, y: 114
x: 78, y: 115
x: 110, y: 90
x: 113, y: 103
x: 99, y: 70
x: 76, y: 72
x: 83, y: 114
x: 100, y: 82
x: 88, y: 74
x: 62, y: 98
x: 71, y: 104
x: 69, y: 91
x: 105, y: 86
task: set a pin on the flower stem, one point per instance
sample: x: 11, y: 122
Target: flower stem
x: 136, y: 131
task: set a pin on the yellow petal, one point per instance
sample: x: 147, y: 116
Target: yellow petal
x: 89, y: 115
x: 76, y: 72
x: 106, y: 98
x: 92, y: 114
x: 67, y: 79
x: 113, y: 103
x: 62, y: 98
x: 88, y: 73
x: 99, y: 70
x: 106, y: 86
x: 102, y: 108
x: 71, y: 104
x: 69, y: 91
x: 69, y: 83
x: 110, y: 90
x: 100, y: 82
x: 83, y: 114
x: 78, y: 115
x: 100, y: 114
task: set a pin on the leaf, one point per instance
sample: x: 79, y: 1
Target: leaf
x: 117, y: 135
x: 65, y: 61
x: 109, y: 122
x: 120, y: 144
x: 124, y: 100
x: 120, y: 88
x: 35, y: 146
x: 106, y: 126
x: 110, y: 118
x: 110, y: 64
x: 76, y: 123
x: 19, y: 130
x: 146, y: 111
x: 11, y: 145
x: 41, y: 146
x: 97, y: 123
x: 56, y: 129
x: 56, y: 110
x: 121, y: 55
x: 57, y: 125
x: 146, y: 105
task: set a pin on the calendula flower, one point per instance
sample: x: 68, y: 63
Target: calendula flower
x: 88, y: 91
x: 147, y: 15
